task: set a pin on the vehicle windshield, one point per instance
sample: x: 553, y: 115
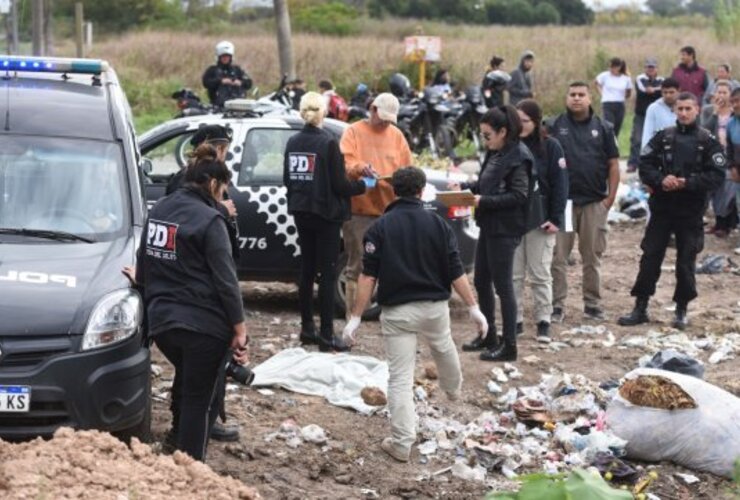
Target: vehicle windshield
x: 69, y: 185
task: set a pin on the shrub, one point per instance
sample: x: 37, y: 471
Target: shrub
x: 333, y: 18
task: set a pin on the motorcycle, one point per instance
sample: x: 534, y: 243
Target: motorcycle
x: 468, y: 125
x: 444, y: 112
x: 359, y: 103
x: 189, y: 104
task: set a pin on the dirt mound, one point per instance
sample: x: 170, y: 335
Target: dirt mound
x: 95, y: 465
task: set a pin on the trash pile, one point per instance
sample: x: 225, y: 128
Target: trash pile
x: 554, y: 426
x: 294, y: 435
x: 722, y: 347
x: 631, y: 202
x: 95, y: 465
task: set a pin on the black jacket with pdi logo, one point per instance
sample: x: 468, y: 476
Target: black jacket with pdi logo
x: 588, y: 146
x: 186, y: 268
x: 413, y: 254
x: 314, y: 175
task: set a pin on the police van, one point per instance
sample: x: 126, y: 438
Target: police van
x: 268, y: 236
x: 72, y: 351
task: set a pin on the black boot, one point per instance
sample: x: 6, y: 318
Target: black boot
x: 504, y: 352
x: 309, y: 337
x: 481, y: 343
x: 638, y: 315
x: 681, y: 321
x: 332, y: 344
x: 543, y: 332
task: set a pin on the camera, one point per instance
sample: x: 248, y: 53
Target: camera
x: 240, y: 373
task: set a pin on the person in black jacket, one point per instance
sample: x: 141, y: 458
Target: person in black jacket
x: 545, y: 218
x: 318, y: 199
x: 680, y: 166
x: 225, y: 80
x: 194, y: 305
x: 502, y: 191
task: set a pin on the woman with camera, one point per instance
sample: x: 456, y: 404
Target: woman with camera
x: 192, y: 295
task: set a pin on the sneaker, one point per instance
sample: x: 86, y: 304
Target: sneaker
x: 595, y: 313
x: 543, y: 332
x: 308, y: 338
x: 394, y: 450
x: 558, y: 315
x: 737, y: 251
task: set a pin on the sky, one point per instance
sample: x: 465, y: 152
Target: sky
x: 611, y: 4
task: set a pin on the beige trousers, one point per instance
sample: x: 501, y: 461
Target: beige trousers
x: 401, y: 325
x: 353, y: 231
x: 590, y: 225
x: 533, y: 258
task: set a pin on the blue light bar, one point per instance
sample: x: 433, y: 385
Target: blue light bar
x: 53, y: 65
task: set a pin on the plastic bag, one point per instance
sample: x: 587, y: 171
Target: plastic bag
x: 706, y: 438
x: 675, y: 361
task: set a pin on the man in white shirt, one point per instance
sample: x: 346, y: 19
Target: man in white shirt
x: 660, y: 114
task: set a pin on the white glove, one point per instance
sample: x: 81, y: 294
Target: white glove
x: 479, y: 320
x: 348, y: 334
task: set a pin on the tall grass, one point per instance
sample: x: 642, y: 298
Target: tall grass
x: 154, y: 64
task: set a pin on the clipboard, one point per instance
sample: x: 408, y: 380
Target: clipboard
x: 464, y: 198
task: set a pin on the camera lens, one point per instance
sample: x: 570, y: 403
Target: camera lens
x: 241, y: 374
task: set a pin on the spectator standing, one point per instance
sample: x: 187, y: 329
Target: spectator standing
x: 723, y: 72
x: 680, y: 165
x: 615, y: 86
x: 660, y: 113
x: 225, y: 80
x: 521, y: 85
x: 412, y: 254
x: 442, y: 82
x: 733, y: 147
x: 318, y: 199
x: 647, y: 87
x: 372, y: 147
x: 533, y: 256
x: 592, y: 156
x: 690, y: 76
x: 494, y: 83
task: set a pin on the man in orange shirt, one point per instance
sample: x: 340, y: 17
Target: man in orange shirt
x: 372, y: 147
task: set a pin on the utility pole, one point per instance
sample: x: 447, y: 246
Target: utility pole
x: 48, y: 28
x: 14, y: 26
x: 285, y: 41
x: 79, y: 36
x: 37, y: 27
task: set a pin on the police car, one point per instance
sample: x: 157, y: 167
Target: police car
x: 72, y: 351
x: 268, y: 237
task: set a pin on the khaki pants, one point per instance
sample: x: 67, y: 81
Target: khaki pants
x: 353, y: 231
x: 401, y: 325
x: 589, y: 224
x: 533, y: 257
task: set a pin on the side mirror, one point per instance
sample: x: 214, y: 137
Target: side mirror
x: 146, y: 166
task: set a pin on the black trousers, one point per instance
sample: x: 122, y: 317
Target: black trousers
x: 614, y: 114
x: 319, y: 242
x: 689, y: 242
x: 494, y: 263
x: 199, y: 360
x: 729, y: 221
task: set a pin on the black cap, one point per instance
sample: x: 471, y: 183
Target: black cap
x: 211, y: 133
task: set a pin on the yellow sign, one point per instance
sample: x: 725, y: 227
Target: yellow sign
x: 423, y: 48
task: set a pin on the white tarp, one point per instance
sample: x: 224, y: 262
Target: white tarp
x: 337, y: 377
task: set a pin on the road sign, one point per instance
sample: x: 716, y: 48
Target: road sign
x: 4, y: 6
x: 423, y: 48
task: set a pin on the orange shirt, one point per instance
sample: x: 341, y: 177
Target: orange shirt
x: 385, y: 150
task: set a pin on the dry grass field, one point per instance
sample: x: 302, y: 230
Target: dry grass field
x: 153, y: 64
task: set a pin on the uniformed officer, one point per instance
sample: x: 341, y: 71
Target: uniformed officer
x: 680, y: 166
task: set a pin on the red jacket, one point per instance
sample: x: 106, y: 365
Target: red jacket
x: 692, y: 79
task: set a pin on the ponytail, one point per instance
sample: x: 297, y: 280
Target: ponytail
x: 205, y: 165
x: 504, y: 117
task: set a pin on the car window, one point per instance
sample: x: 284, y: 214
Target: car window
x: 70, y: 185
x: 170, y: 156
x: 262, y: 158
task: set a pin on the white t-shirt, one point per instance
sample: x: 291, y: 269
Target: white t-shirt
x: 613, y: 88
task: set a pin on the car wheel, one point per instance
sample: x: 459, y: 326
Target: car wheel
x: 372, y: 312
x: 143, y: 430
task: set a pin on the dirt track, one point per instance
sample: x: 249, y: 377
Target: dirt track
x: 352, y: 465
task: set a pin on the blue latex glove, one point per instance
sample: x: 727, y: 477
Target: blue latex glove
x: 370, y: 182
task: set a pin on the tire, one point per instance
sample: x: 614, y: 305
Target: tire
x: 143, y: 430
x: 447, y: 139
x: 372, y: 313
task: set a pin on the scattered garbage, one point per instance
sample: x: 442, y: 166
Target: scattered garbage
x: 712, y: 264
x: 313, y: 434
x: 704, y: 438
x: 614, y: 469
x: 494, y: 388
x: 675, y: 361
x: 723, y: 347
x: 687, y: 478
x: 467, y: 473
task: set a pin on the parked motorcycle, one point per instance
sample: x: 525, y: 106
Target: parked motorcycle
x: 359, y: 104
x: 189, y: 104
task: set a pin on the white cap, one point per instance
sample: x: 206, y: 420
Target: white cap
x: 387, y: 105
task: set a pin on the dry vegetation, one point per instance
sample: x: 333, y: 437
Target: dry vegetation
x: 153, y: 64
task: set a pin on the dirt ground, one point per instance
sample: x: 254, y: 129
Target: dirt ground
x: 352, y: 465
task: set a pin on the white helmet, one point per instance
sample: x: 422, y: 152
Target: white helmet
x: 224, y: 47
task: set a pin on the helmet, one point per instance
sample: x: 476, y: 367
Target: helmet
x: 399, y: 85
x: 224, y: 47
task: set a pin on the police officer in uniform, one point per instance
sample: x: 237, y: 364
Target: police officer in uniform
x: 225, y: 80
x: 680, y: 166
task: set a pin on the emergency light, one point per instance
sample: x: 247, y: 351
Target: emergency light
x: 53, y: 65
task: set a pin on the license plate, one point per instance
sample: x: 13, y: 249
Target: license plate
x: 15, y: 398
